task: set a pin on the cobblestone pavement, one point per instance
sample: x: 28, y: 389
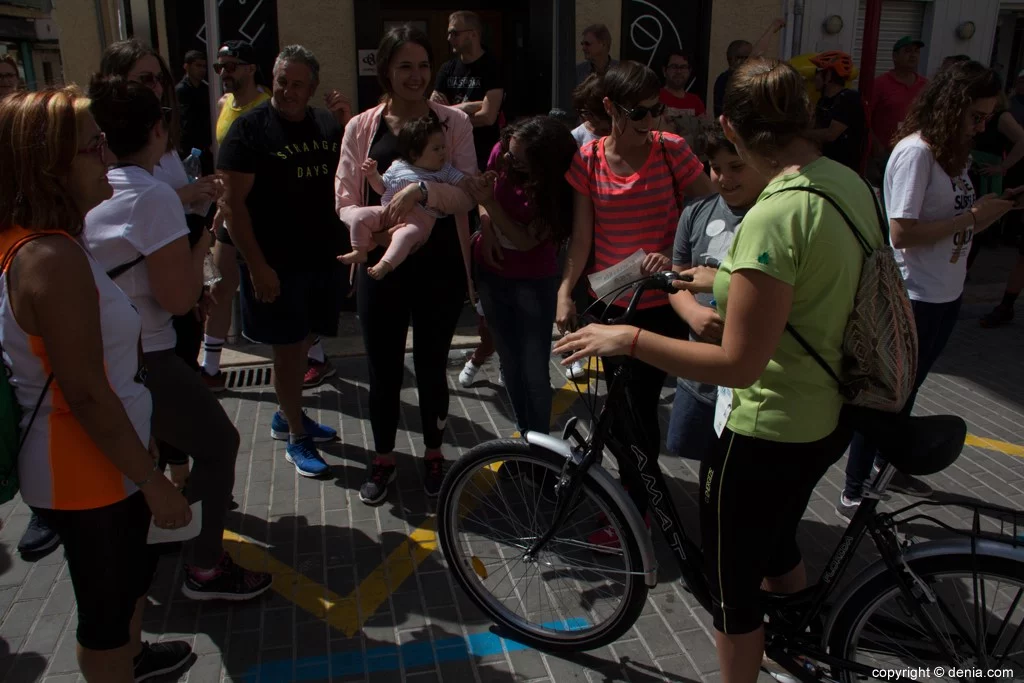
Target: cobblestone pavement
x: 357, y: 599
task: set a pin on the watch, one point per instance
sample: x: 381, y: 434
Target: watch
x: 423, y: 189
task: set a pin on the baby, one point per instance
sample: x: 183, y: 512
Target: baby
x: 422, y: 158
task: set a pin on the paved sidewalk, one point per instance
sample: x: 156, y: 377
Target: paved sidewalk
x: 357, y: 599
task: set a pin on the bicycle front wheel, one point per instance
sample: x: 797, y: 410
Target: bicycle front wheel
x: 576, y: 593
x: 975, y: 603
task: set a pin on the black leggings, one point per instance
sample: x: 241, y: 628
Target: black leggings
x: 643, y: 394
x: 429, y: 290
x: 190, y: 338
x: 744, y: 539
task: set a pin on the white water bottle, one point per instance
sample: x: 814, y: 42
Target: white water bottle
x: 194, y: 171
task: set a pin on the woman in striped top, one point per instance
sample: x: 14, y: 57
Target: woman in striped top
x: 71, y: 340
x: 630, y: 189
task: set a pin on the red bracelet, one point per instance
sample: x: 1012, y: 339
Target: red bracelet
x: 632, y: 347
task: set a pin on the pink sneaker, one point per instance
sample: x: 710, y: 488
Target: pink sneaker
x: 317, y: 373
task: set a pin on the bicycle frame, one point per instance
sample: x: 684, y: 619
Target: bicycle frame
x: 793, y: 627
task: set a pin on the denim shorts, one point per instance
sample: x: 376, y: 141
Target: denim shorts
x: 691, y: 428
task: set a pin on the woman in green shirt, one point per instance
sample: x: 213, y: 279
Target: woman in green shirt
x: 794, y: 259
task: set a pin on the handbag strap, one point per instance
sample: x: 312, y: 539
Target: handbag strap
x: 120, y: 270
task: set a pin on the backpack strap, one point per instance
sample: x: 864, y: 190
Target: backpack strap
x: 7, y: 260
x: 865, y: 247
x: 120, y: 270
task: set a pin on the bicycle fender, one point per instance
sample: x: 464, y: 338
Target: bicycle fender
x: 957, y: 546
x: 602, y: 478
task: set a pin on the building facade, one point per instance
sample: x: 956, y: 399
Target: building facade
x: 28, y: 33
x: 344, y: 33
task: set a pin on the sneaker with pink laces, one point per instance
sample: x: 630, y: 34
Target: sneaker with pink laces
x: 317, y: 373
x: 226, y: 581
x: 605, y: 539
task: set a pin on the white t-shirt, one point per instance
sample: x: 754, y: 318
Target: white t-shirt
x: 171, y: 170
x: 143, y: 216
x: 916, y: 187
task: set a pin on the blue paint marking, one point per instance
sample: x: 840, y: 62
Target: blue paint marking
x: 388, y: 658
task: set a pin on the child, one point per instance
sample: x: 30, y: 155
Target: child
x: 422, y: 158
x: 706, y: 230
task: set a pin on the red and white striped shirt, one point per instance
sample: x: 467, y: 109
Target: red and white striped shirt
x: 640, y: 211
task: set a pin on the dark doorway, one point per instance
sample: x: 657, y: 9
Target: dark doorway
x: 651, y: 29
x: 519, y: 36
x: 239, y: 20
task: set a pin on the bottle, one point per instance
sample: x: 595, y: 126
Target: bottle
x: 194, y: 171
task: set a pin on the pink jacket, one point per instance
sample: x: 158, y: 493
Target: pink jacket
x: 350, y: 186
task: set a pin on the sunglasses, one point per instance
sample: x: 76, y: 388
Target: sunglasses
x: 167, y: 114
x: 150, y: 80
x: 96, y: 147
x: 640, y: 113
x: 514, y: 163
x: 453, y: 33
x: 229, y: 67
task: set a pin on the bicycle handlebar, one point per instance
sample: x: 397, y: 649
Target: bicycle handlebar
x: 659, y: 281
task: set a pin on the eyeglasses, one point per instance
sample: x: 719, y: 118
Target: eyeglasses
x: 8, y: 77
x: 150, y: 79
x: 640, y: 113
x: 228, y: 66
x: 167, y: 114
x: 453, y: 32
x: 585, y: 43
x: 96, y: 147
x: 677, y: 67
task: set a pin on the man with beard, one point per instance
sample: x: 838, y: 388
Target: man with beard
x: 683, y: 109
x: 237, y: 69
x: 8, y: 76
x: 472, y: 81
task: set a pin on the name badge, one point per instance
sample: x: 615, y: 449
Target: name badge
x: 723, y: 409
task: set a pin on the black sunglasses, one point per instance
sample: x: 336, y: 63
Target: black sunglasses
x: 229, y: 67
x: 640, y: 113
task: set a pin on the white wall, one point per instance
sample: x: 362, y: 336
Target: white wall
x: 941, y: 19
x: 813, y: 36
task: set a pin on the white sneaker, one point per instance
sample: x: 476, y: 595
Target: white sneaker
x: 468, y: 374
x: 577, y: 371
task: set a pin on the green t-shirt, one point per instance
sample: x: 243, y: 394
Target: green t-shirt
x: 798, y: 238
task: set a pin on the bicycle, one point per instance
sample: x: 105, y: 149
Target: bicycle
x: 520, y: 557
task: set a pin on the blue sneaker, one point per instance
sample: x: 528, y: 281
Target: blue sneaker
x: 304, y: 456
x: 314, y: 430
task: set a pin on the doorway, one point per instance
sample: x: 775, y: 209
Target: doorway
x: 518, y: 36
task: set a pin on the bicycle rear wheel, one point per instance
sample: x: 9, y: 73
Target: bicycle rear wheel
x: 981, y: 621
x: 495, y: 502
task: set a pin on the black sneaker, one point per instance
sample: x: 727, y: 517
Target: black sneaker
x: 38, y: 537
x: 375, y: 489
x: 909, y: 486
x: 433, y: 474
x: 1000, y: 315
x: 230, y: 582
x: 847, y: 507
x: 157, y: 659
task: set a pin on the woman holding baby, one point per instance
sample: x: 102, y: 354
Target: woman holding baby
x: 429, y: 285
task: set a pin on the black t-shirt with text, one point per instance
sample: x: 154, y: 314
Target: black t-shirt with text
x: 461, y: 82
x: 844, y: 107
x: 292, y: 199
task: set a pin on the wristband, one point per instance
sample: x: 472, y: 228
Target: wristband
x: 149, y: 478
x: 632, y: 347
x: 423, y: 190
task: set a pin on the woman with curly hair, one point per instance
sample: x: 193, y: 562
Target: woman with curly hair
x: 933, y: 217
x: 524, y: 217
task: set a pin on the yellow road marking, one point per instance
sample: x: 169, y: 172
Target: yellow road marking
x: 347, y: 614
x: 994, y: 445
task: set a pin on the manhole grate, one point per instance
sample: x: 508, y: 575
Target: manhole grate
x: 249, y: 378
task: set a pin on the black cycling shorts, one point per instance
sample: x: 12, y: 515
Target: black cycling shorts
x: 753, y: 493
x: 110, y: 564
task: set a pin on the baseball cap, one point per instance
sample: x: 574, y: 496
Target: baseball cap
x: 239, y: 49
x: 906, y: 41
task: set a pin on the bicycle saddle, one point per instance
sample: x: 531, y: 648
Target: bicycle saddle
x: 918, y: 445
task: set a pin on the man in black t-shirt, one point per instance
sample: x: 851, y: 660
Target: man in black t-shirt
x: 280, y: 160
x: 194, y: 104
x: 472, y: 81
x: 839, y: 120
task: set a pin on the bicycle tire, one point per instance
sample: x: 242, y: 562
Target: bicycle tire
x: 635, y: 593
x: 862, y: 603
